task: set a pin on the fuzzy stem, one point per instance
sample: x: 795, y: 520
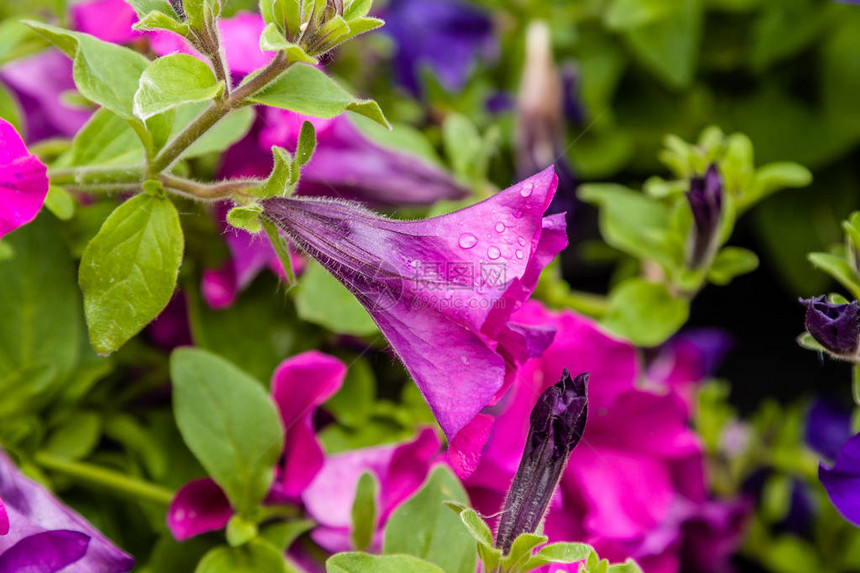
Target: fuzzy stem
x: 97, y: 176
x: 205, y: 191
x: 98, y: 477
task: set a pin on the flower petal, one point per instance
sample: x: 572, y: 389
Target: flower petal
x: 198, y: 507
x: 23, y: 181
x: 842, y: 481
x: 45, y: 552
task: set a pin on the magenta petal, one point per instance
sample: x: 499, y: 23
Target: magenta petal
x: 464, y: 452
x: 23, y: 181
x: 108, y: 20
x: 198, y: 507
x: 842, y: 481
x: 45, y: 552
x: 408, y: 469
x: 219, y: 287
x: 4, y: 519
x: 301, y: 384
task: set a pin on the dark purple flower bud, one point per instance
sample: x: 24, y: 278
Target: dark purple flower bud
x: 706, y: 202
x: 836, y: 327
x: 179, y: 8
x: 556, y: 425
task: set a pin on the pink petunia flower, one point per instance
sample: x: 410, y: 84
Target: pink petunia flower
x: 23, y: 181
x: 636, y: 481
x: 456, y: 278
x: 299, y: 385
x: 400, y: 470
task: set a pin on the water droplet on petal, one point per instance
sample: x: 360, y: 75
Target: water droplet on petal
x: 500, y: 227
x: 468, y: 240
x: 518, y: 214
x: 519, y: 254
x: 527, y: 189
x: 494, y: 253
x: 521, y: 241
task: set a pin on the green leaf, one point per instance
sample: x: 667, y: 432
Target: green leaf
x: 281, y: 177
x: 357, y: 9
x: 246, y: 217
x: 104, y: 73
x: 253, y: 557
x: 305, y: 148
x: 632, y: 222
x: 521, y: 551
x: 272, y: 40
x: 157, y: 20
x: 128, y: 271
x: 10, y: 109
x: 560, y: 553
x: 144, y: 7
x: 669, y: 46
x: 229, y: 422
x: 631, y: 14
x: 645, y: 313
x: 770, y: 179
x: 354, y: 403
x: 424, y: 527
x: 306, y: 90
x: 839, y: 269
x: 321, y: 299
x: 60, y: 203
x: 106, y: 139
x: 174, y: 80
x: 364, y: 563
x: 40, y: 305
x: 731, y: 262
x: 364, y: 512
x: 77, y: 436
x: 16, y: 41
x: 464, y: 145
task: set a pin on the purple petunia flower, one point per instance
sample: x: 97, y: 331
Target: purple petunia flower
x: 23, y: 181
x: 828, y: 427
x: 447, y: 36
x: 40, y: 534
x: 836, y: 327
x: 706, y: 202
x: 455, y: 278
x: 107, y: 20
x: 842, y: 481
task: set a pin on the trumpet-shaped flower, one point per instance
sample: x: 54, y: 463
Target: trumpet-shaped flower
x: 39, y: 533
x: 455, y: 278
x: 23, y: 181
x: 636, y: 480
x: 842, y: 481
x: 299, y: 385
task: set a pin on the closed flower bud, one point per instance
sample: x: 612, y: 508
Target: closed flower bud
x: 706, y: 202
x: 556, y: 425
x: 836, y: 327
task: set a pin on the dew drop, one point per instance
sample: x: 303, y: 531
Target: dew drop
x: 519, y: 254
x: 468, y: 240
x: 521, y: 241
x: 527, y: 189
x: 494, y: 253
x: 518, y: 214
x: 500, y: 227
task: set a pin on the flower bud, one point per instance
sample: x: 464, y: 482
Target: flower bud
x: 706, y: 202
x: 556, y: 425
x: 179, y: 8
x: 836, y: 327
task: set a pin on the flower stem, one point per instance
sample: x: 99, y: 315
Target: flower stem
x: 97, y: 476
x: 216, y: 111
x: 97, y: 175
x: 198, y: 190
